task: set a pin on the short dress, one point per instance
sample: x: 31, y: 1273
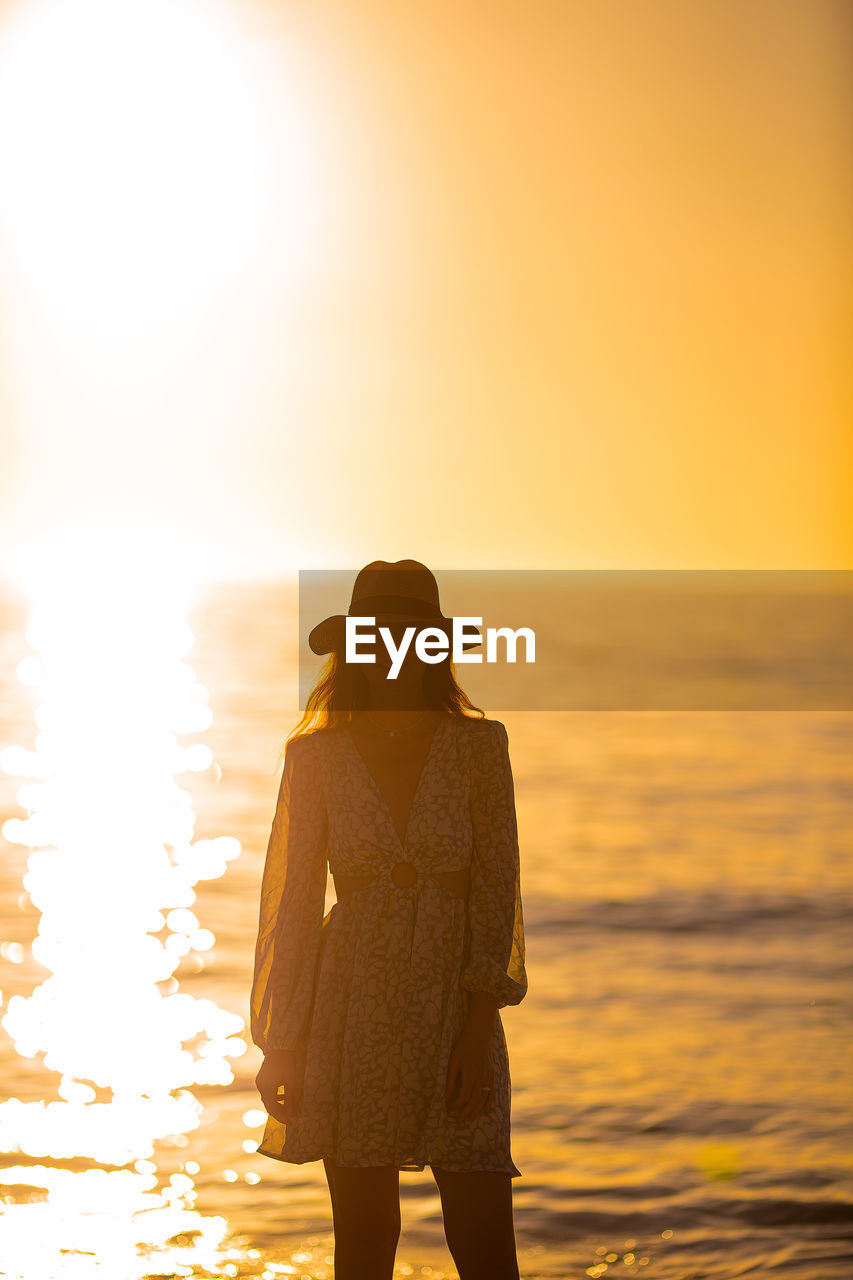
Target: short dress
x: 377, y: 992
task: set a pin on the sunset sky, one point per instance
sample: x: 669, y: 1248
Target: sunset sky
x: 532, y: 285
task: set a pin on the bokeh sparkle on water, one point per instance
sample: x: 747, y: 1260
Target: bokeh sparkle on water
x: 111, y: 874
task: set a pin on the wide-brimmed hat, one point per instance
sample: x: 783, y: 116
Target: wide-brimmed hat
x: 389, y: 591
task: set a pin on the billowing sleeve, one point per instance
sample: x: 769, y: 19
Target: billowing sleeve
x: 494, y: 959
x: 293, y: 893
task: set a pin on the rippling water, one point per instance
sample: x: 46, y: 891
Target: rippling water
x: 681, y: 1066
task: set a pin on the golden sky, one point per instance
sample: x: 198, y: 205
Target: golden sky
x: 544, y: 285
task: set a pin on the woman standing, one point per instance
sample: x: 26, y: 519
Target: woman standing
x: 380, y: 1021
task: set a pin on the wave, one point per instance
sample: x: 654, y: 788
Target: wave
x: 700, y: 911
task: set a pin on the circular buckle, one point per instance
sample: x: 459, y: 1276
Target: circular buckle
x: 404, y: 874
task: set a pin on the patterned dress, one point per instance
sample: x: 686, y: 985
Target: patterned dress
x: 378, y: 991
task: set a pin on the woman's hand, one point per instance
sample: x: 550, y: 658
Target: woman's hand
x: 282, y: 1069
x: 470, y: 1076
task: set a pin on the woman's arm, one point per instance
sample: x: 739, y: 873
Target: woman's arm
x: 494, y: 968
x: 293, y: 893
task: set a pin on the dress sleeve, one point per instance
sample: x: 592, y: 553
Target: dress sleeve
x: 494, y: 959
x: 293, y: 893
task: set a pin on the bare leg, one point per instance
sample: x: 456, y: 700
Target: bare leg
x: 477, y: 1209
x: 366, y: 1216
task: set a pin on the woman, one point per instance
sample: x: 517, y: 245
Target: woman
x: 380, y: 1021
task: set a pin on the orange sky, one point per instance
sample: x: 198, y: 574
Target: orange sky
x: 543, y: 285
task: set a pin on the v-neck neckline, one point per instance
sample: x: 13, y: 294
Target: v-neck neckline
x: 401, y: 844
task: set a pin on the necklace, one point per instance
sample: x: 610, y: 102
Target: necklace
x: 392, y: 733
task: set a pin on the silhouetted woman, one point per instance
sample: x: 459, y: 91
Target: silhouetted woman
x: 380, y: 1021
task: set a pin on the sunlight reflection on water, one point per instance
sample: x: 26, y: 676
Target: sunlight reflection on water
x: 111, y: 873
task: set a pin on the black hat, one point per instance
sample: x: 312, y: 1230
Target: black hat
x: 390, y: 591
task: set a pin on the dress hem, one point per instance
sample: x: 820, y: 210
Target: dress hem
x: 412, y: 1167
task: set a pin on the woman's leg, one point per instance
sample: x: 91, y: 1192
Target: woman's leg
x: 366, y: 1217
x: 477, y: 1209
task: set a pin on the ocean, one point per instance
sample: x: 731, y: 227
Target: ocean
x: 681, y: 1067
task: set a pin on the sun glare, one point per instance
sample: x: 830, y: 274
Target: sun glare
x: 142, y: 143
x: 162, y: 192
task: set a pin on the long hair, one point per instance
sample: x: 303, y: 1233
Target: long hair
x: 342, y: 688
